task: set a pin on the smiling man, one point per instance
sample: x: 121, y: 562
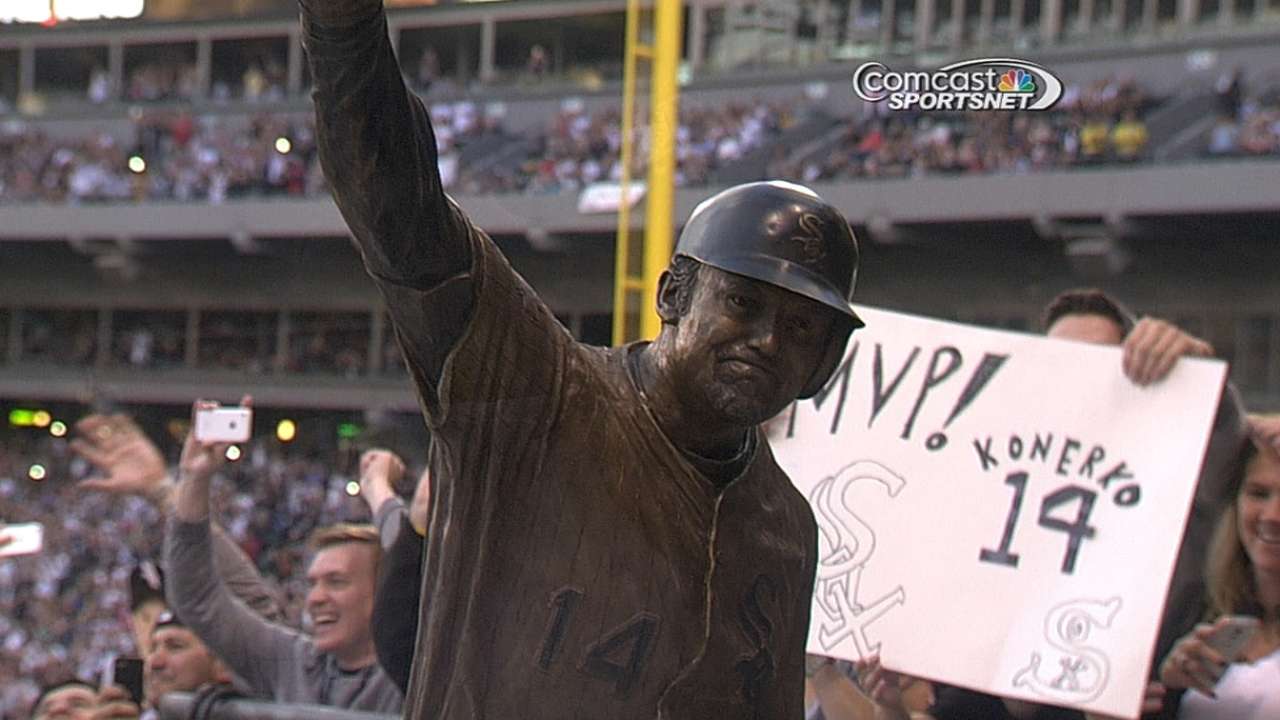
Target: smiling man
x: 340, y: 595
x: 610, y: 536
x: 335, y: 665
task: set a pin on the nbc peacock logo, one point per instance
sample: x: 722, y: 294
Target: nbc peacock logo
x: 1017, y: 80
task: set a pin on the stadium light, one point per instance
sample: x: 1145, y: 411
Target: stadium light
x: 137, y: 164
x: 233, y: 453
x: 286, y: 430
x: 283, y: 146
x: 58, y: 429
x: 353, y: 488
x: 37, y: 472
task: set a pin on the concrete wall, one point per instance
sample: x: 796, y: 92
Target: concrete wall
x: 1115, y: 192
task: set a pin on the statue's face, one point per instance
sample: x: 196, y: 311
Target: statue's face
x: 745, y: 349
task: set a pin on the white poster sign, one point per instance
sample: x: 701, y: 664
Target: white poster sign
x: 997, y: 510
x: 607, y: 197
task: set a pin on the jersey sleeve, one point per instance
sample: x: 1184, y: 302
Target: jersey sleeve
x: 502, y: 378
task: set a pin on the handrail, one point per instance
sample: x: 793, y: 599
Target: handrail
x: 179, y: 706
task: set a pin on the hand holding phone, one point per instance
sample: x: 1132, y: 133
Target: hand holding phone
x: 21, y: 539
x: 1231, y: 639
x: 125, y: 672
x: 223, y: 424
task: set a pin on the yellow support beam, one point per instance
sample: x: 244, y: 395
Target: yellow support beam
x: 664, y: 119
x: 636, y: 273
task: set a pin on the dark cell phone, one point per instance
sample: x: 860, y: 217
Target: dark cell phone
x: 128, y: 675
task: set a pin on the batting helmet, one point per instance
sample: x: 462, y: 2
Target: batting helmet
x: 785, y: 235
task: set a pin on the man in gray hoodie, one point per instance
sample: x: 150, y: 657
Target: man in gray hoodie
x: 336, y: 665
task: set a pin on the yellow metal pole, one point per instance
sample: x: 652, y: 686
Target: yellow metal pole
x: 635, y: 291
x: 664, y: 111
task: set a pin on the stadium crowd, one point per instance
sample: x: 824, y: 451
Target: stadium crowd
x: 171, y: 156
x: 578, y: 148
x: 1097, y: 123
x: 64, y: 612
x: 262, y: 80
x: 1254, y: 130
x: 174, y: 155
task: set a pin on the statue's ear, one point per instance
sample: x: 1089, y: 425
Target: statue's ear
x: 668, y: 298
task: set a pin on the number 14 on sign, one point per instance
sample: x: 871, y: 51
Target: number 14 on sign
x: 1077, y: 529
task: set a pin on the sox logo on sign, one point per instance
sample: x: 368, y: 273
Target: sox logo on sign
x: 845, y: 544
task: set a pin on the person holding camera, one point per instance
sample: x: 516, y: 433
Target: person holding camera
x: 335, y: 664
x: 1228, y: 668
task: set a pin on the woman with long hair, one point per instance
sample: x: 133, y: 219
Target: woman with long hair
x: 1242, y: 579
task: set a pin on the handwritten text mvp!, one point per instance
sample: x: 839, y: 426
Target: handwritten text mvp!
x: 1060, y: 454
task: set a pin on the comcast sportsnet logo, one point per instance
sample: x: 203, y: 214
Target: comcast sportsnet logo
x: 982, y: 84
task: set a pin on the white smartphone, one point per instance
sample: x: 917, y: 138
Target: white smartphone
x: 1231, y: 639
x: 24, y: 539
x: 223, y: 424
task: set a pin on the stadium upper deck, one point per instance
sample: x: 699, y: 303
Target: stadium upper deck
x: 580, y: 40
x: 986, y: 244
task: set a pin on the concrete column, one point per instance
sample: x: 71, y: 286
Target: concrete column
x: 14, y: 351
x: 1085, y: 22
x: 1188, y: 12
x: 462, y: 61
x: 204, y: 66
x: 1118, y: 9
x: 886, y: 24
x: 191, y: 348
x: 1017, y: 11
x: 697, y: 46
x: 925, y: 12
x: 488, y: 39
x: 1149, y: 10
x: 1050, y: 21
x: 1226, y: 12
x: 296, y: 58
x: 115, y: 67
x: 958, y: 23
x: 26, y: 69
x: 986, y: 19
x: 280, y: 358
x: 377, y: 338
x: 825, y: 39
x: 1273, y: 373
x: 102, y: 353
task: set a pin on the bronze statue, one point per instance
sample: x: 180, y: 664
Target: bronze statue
x: 610, y: 535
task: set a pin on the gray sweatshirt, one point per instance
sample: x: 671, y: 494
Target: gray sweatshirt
x: 277, y: 662
x: 243, y: 579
